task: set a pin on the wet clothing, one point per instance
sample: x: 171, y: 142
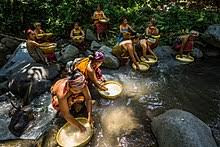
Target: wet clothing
x: 61, y: 86
x: 153, y: 42
x: 77, y: 32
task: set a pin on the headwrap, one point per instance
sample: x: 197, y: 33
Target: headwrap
x: 99, y: 56
x: 37, y: 24
x: 194, y: 33
x: 77, y: 81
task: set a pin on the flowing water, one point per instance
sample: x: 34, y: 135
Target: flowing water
x: 126, y: 121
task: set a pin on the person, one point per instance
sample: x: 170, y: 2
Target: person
x: 89, y: 67
x: 184, y: 43
x: 126, y: 31
x: 126, y: 49
x: 145, y: 47
x: 38, y: 30
x: 77, y: 34
x: 67, y: 95
x: 100, y: 26
x: 34, y: 48
x: 152, y: 34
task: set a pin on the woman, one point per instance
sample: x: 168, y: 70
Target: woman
x: 152, y: 34
x: 68, y: 94
x: 100, y: 26
x: 126, y: 30
x: 126, y: 49
x: 38, y: 31
x: 146, y: 49
x: 89, y: 67
x: 34, y: 48
x: 77, y: 34
x: 185, y: 43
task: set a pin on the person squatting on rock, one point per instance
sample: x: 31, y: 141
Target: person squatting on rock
x: 89, y: 67
x: 184, y: 44
x: 68, y: 94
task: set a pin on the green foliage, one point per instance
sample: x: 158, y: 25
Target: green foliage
x: 57, y: 16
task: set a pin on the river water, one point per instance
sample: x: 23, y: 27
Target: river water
x: 169, y: 84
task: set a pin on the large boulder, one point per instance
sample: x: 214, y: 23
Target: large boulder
x: 69, y: 53
x: 90, y: 35
x: 212, y: 35
x: 10, y: 43
x: 177, y: 128
x: 95, y: 46
x: 110, y: 60
x: 16, y: 61
x: 33, y: 78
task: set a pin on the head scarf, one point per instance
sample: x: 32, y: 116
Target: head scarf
x: 77, y: 80
x: 194, y: 33
x: 37, y: 24
x: 99, y: 56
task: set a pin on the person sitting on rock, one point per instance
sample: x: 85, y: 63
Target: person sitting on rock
x: 101, y: 27
x: 38, y: 30
x: 67, y: 96
x: 152, y: 34
x: 89, y: 67
x: 126, y: 30
x: 77, y: 35
x: 34, y: 48
x: 125, y: 50
x: 184, y: 43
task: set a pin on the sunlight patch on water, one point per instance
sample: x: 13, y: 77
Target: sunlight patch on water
x: 118, y: 120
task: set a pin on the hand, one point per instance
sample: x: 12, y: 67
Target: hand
x: 90, y: 120
x: 101, y: 87
x: 82, y: 128
x: 137, y: 66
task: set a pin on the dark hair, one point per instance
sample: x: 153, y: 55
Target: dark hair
x: 123, y: 18
x: 75, y: 74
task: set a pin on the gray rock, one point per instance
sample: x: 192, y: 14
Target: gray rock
x: 3, y: 48
x: 10, y: 43
x: 35, y: 76
x: 110, y: 61
x: 212, y: 35
x: 95, y: 46
x: 164, y: 52
x: 69, y: 53
x: 16, y: 61
x: 105, y: 49
x: 90, y: 35
x: 197, y: 53
x: 87, y: 53
x: 177, y: 128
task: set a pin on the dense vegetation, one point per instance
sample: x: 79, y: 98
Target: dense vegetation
x: 58, y: 15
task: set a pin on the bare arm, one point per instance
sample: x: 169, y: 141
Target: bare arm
x: 104, y: 15
x: 88, y: 101
x: 93, y: 78
x: 71, y: 34
x: 64, y: 109
x: 129, y: 27
x: 135, y: 54
x: 83, y: 34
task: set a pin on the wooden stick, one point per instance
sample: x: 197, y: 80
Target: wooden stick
x: 11, y: 37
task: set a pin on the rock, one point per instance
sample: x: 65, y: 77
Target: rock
x: 87, y: 53
x: 197, y: 53
x: 110, y: 61
x: 19, y: 57
x: 105, y: 49
x: 95, y: 46
x: 3, y: 48
x: 33, y: 77
x: 212, y: 35
x: 70, y: 52
x: 90, y: 35
x: 164, y: 52
x: 177, y: 128
x: 10, y: 43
